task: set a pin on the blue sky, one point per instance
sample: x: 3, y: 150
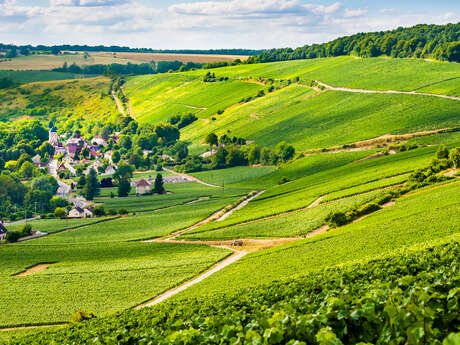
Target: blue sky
x: 205, y: 24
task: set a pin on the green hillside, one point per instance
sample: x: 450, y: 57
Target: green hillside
x: 349, y: 236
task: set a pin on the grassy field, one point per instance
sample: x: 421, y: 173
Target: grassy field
x: 71, y: 101
x: 93, y: 277
x: 33, y: 76
x: 233, y: 175
x: 180, y: 193
x: 416, y: 219
x: 157, y: 98
x: 56, y: 225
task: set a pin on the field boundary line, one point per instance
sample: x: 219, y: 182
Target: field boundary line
x: 345, y: 89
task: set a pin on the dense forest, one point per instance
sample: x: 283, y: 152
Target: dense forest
x: 439, y: 42
x: 67, y: 47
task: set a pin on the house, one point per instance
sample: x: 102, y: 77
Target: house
x: 3, y: 232
x: 94, y: 153
x: 72, y: 170
x: 108, y: 155
x: 59, y: 149
x: 36, y: 160
x: 95, y: 165
x: 78, y: 212
x: 110, y: 170
x: 99, y: 141
x: 72, y: 148
x: 61, y: 168
x: 142, y: 187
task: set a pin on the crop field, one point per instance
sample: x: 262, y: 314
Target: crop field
x: 33, y: 76
x: 56, y: 225
x: 228, y: 176
x: 307, y: 121
x: 344, y: 180
x: 157, y: 98
x: 345, y: 71
x: 145, y: 225
x: 179, y: 193
x: 147, y: 57
x: 104, y: 278
x: 291, y: 225
x: 48, y: 62
x: 419, y: 218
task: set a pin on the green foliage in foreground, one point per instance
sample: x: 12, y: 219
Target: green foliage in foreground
x: 411, y: 298
x: 32, y: 76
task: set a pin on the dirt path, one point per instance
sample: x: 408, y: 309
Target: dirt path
x: 240, y: 206
x: 118, y: 103
x: 344, y: 89
x: 216, y: 268
x: 192, y: 106
x: 192, y: 178
x: 130, y: 106
x: 34, y: 269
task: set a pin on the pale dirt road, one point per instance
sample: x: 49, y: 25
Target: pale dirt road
x: 191, y: 178
x: 344, y: 89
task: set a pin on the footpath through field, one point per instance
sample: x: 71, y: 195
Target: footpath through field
x: 345, y: 89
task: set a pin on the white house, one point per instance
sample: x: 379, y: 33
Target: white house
x: 78, y: 212
x: 53, y: 136
x: 110, y: 170
x: 3, y: 232
x: 142, y: 187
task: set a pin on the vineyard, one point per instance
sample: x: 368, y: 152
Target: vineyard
x: 352, y: 238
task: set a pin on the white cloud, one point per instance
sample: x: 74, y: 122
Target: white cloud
x: 87, y: 3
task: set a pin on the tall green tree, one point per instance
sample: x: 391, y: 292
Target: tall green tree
x: 123, y: 176
x: 91, y: 188
x: 158, y: 185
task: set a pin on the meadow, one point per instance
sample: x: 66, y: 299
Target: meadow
x: 233, y: 175
x: 33, y: 76
x: 147, y: 57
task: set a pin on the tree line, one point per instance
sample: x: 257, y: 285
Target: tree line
x: 440, y: 42
x: 56, y: 49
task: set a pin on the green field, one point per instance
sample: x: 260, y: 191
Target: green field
x: 33, y: 76
x: 101, y: 278
x: 56, y: 225
x: 233, y: 175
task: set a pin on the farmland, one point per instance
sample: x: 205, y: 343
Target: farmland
x: 325, y: 273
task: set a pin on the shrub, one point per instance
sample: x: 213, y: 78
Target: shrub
x: 122, y: 211
x: 337, y: 218
x: 13, y: 236
x: 81, y: 315
x: 60, y: 212
x: 112, y: 212
x: 368, y: 208
x: 99, y: 211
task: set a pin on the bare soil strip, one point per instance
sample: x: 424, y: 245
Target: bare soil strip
x: 191, y: 178
x: 344, y: 89
x: 240, y: 206
x: 34, y: 269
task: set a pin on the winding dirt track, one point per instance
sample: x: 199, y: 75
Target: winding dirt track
x: 344, y: 89
x: 191, y: 178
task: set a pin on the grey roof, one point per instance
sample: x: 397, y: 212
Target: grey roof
x: 3, y: 230
x: 53, y: 130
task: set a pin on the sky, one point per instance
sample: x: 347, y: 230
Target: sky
x: 210, y: 24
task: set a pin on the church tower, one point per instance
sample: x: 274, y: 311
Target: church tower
x: 53, y: 136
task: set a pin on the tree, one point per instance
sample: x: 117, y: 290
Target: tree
x: 91, y: 188
x: 235, y: 157
x: 454, y: 157
x: 254, y: 155
x: 116, y: 157
x: 179, y: 150
x: 81, y: 181
x: 99, y: 211
x: 220, y: 158
x: 284, y: 151
x: 442, y: 152
x: 56, y: 202
x: 167, y: 133
x: 60, y: 212
x: 45, y: 183
x: 26, y: 170
x: 211, y: 139
x: 125, y: 141
x: 158, y: 185
x: 122, y: 176
x: 266, y: 156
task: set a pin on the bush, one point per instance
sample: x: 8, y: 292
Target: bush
x: 99, y: 211
x: 13, y: 236
x: 368, y: 208
x: 60, y: 212
x: 81, y: 315
x: 112, y: 212
x: 122, y: 211
x: 337, y: 218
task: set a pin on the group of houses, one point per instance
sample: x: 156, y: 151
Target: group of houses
x: 73, y: 146
x: 80, y: 212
